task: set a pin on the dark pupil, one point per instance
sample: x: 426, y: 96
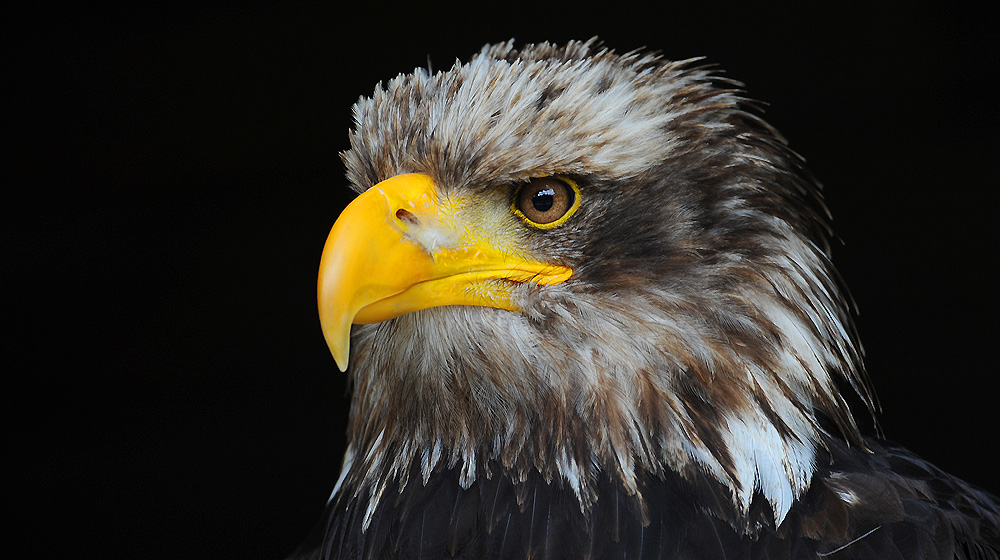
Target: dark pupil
x: 544, y: 199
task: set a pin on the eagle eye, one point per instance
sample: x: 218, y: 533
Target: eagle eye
x: 546, y: 202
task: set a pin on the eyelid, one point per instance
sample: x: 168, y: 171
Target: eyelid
x: 577, y: 196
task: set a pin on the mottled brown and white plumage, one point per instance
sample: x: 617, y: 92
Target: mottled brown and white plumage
x: 679, y: 395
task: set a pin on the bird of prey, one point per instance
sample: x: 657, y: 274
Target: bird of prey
x: 594, y: 316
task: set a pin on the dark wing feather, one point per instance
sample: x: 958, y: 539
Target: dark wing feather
x: 891, y: 503
x: 442, y: 520
x: 880, y: 505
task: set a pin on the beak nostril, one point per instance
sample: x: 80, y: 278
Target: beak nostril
x: 406, y: 216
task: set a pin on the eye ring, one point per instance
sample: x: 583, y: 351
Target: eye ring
x: 546, y: 202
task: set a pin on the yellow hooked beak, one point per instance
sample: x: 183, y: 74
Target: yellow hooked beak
x: 373, y: 268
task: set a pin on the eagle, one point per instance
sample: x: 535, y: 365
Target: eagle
x: 587, y: 310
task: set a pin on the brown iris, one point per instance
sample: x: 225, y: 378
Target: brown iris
x: 547, y: 201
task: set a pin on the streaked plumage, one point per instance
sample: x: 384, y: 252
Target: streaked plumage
x: 676, y: 397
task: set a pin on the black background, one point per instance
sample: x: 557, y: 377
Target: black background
x: 175, y: 173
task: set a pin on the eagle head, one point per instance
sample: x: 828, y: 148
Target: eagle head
x: 585, y: 266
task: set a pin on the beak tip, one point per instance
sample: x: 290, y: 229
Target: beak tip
x: 337, y: 332
x: 340, y: 347
x: 341, y: 363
